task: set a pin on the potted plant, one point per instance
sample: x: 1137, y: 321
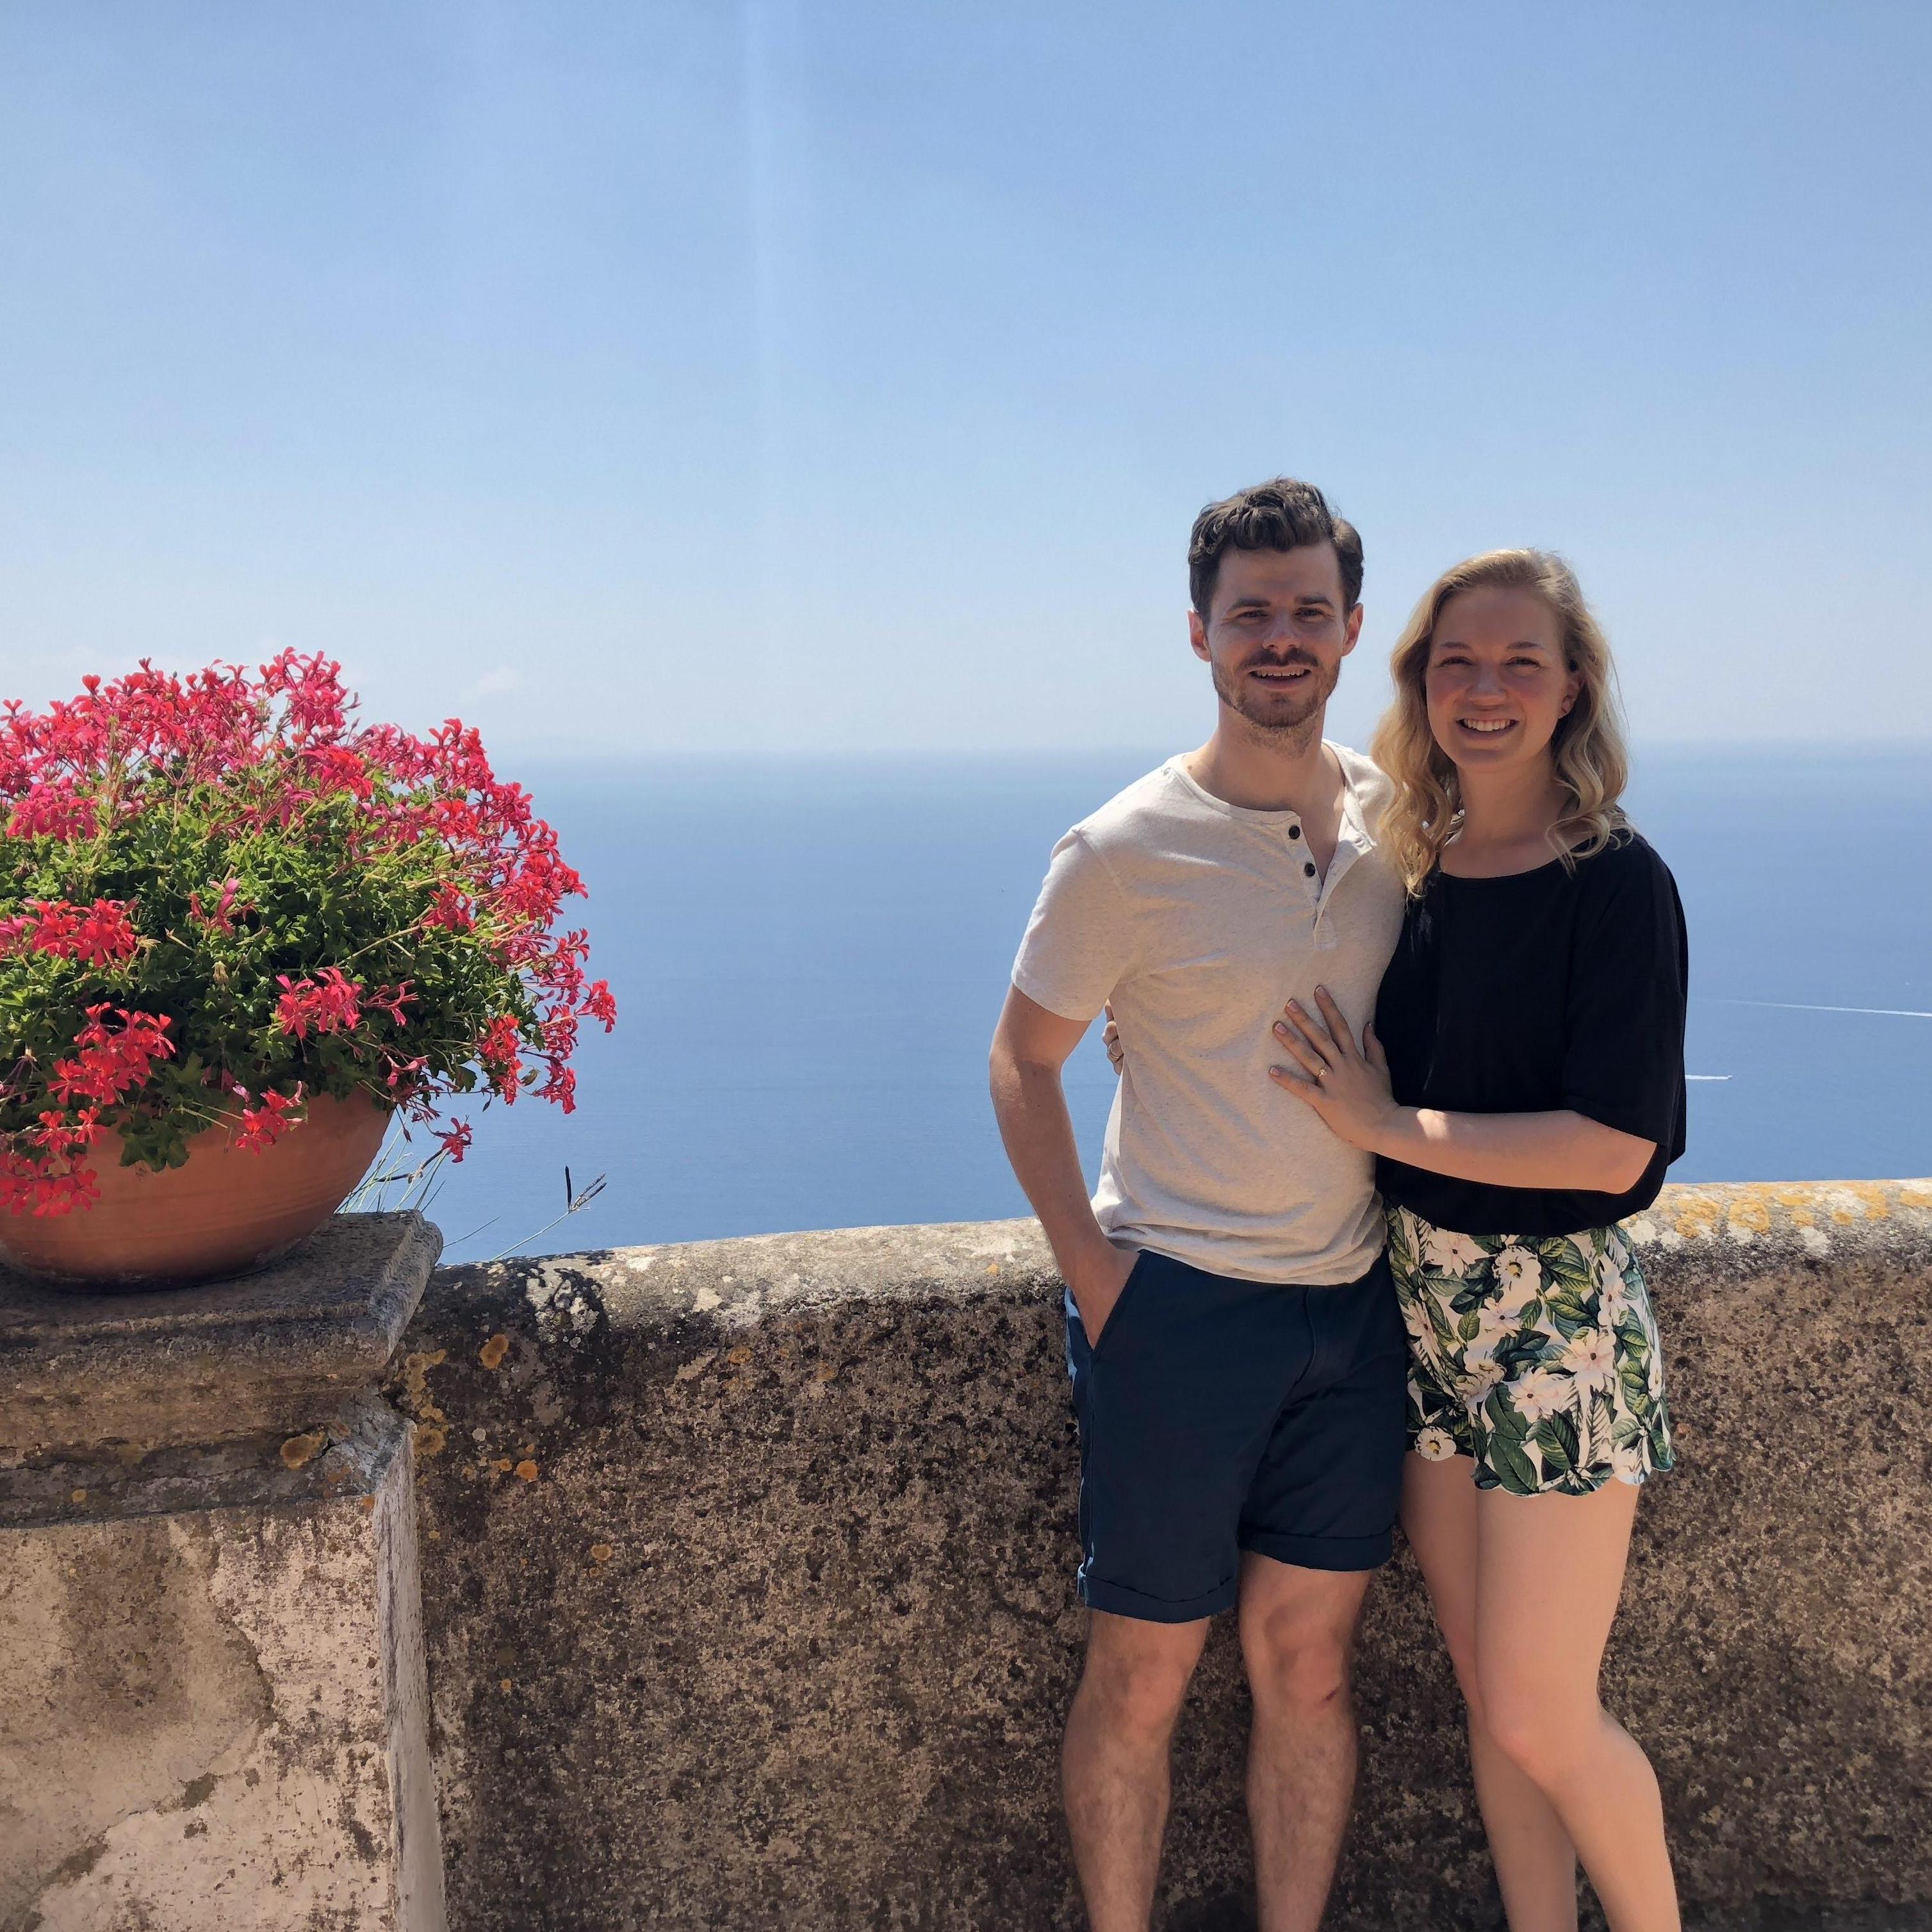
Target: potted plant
x: 239, y: 933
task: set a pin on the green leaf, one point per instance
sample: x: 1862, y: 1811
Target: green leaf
x: 1555, y: 1436
x: 1517, y: 1472
x: 1503, y: 1419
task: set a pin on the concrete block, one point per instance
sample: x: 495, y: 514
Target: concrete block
x: 213, y: 1708
x: 215, y: 1718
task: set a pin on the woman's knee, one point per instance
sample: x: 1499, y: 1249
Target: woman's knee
x: 1547, y: 1735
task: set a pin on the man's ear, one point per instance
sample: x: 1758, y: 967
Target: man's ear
x: 1197, y: 635
x: 1351, y: 630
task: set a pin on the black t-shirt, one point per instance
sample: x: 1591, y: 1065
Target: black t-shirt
x: 1559, y: 988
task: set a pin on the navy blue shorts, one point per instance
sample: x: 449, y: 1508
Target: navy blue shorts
x: 1217, y: 1416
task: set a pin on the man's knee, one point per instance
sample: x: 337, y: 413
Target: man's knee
x: 1136, y: 1674
x: 1296, y: 1663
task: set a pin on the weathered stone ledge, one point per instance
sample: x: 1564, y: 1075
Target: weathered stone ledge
x: 271, y: 1350
x: 747, y: 1579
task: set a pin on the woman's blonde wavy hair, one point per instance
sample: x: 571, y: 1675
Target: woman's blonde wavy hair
x: 1592, y: 766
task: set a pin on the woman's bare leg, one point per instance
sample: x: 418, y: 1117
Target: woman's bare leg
x: 1549, y: 1571
x: 1536, y: 1864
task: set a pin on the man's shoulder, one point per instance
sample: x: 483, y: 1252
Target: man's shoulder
x: 1137, y: 816
x: 1372, y: 786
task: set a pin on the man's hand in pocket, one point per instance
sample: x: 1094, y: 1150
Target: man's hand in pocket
x: 1095, y: 1284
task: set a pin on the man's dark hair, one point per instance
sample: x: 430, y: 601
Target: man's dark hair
x: 1283, y: 515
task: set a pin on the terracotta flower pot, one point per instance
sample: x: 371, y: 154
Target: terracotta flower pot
x: 227, y: 1210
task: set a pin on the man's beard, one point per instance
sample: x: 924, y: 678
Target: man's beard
x: 1288, y: 710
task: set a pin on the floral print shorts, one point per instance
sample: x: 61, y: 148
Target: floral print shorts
x: 1536, y: 1357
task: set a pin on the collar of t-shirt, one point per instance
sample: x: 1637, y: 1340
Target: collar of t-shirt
x: 1353, y: 840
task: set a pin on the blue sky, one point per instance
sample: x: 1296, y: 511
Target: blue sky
x: 831, y: 377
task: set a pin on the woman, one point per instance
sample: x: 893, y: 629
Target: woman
x: 1522, y: 1089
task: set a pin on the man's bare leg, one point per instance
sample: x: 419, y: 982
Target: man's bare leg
x: 1114, y: 1765
x: 1297, y: 1627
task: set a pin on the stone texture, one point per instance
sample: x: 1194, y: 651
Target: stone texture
x: 212, y: 1712
x: 748, y: 1589
x: 274, y: 1349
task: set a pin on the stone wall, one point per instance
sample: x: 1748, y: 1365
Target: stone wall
x: 747, y: 1572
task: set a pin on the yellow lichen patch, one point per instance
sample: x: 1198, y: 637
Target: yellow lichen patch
x: 602, y: 1552
x: 367, y: 1504
x: 527, y: 1470
x: 506, y: 1683
x: 492, y: 1352
x: 1915, y: 1193
x: 1697, y: 1217
x: 992, y: 1268
x: 430, y: 1420
x: 502, y: 1465
x: 824, y: 1373
x: 1748, y: 1216
x: 739, y: 1356
x: 1791, y: 1197
x: 299, y: 1450
x: 1803, y: 1217
x: 80, y: 1495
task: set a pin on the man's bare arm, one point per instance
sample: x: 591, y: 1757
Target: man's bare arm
x: 1031, y: 1045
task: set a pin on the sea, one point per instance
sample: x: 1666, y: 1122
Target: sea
x: 809, y: 957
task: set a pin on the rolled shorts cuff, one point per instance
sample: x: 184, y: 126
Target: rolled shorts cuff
x: 1118, y: 1601
x: 1325, y: 1552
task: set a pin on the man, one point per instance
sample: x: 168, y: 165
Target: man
x: 1238, y: 1356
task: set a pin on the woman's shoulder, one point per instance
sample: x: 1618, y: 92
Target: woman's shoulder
x: 1625, y: 880
x: 1625, y: 858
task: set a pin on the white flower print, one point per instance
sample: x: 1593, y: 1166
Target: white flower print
x: 1613, y: 1297
x: 1495, y: 1324
x: 1518, y: 1270
x: 1591, y: 1357
x: 1597, y: 1376
x: 1540, y: 1393
x: 1452, y: 1253
x: 1479, y: 1377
